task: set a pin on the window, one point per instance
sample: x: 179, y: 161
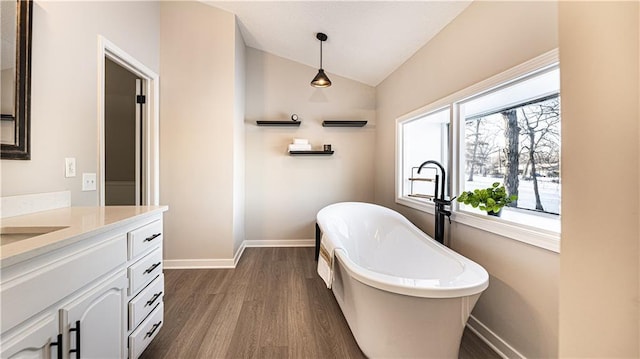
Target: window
x: 505, y: 129
x: 424, y: 137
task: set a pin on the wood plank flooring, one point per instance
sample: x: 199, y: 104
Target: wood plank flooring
x: 273, y: 305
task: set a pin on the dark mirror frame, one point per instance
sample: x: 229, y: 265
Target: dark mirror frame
x: 22, y: 148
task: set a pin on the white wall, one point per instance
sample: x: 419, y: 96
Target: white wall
x: 521, y: 303
x: 200, y: 152
x: 599, y: 60
x: 64, y: 87
x: 284, y: 192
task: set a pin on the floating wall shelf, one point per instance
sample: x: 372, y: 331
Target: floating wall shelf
x: 343, y: 123
x: 279, y: 123
x: 307, y: 153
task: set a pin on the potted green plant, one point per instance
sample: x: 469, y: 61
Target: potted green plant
x: 490, y: 199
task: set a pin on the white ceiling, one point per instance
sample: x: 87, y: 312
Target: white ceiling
x: 367, y: 41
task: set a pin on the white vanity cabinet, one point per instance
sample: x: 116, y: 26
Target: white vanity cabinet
x: 37, y: 339
x: 146, y: 286
x: 94, y: 320
x: 73, y: 301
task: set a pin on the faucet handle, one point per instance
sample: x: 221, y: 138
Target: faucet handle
x: 445, y: 202
x: 448, y: 214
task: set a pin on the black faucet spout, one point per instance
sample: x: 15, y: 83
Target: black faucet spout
x: 442, y: 171
x: 440, y: 202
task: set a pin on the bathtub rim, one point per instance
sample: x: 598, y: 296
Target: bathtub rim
x: 419, y: 287
x: 391, y: 284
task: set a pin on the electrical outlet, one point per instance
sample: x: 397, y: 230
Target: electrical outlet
x: 69, y: 167
x: 88, y: 181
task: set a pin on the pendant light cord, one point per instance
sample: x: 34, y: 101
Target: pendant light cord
x: 321, y: 53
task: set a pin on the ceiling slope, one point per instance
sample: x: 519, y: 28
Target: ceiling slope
x: 367, y: 41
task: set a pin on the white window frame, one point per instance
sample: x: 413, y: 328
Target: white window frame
x: 536, y: 236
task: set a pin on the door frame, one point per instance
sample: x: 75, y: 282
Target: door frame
x: 151, y: 120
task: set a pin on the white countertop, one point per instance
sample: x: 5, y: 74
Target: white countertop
x: 81, y: 223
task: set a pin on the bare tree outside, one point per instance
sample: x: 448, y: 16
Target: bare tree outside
x: 539, y: 123
x: 512, y: 139
x: 520, y: 145
x: 480, y: 153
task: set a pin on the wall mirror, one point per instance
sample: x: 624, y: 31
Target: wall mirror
x: 15, y: 79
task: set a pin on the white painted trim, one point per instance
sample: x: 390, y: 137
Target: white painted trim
x: 232, y: 263
x: 281, y: 243
x: 11, y: 206
x: 107, y: 49
x: 239, y: 254
x: 499, y: 345
x: 198, y: 263
x: 538, y: 237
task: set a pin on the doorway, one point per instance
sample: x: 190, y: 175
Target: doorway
x: 128, y: 129
x: 123, y: 137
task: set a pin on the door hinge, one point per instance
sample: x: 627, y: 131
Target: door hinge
x: 141, y: 99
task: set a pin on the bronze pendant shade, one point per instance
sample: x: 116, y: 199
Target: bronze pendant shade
x: 321, y: 79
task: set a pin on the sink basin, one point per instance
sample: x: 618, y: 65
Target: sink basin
x: 15, y: 234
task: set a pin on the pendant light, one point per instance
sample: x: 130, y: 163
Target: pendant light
x: 321, y: 79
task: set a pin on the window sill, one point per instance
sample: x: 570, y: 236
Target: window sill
x: 509, y: 225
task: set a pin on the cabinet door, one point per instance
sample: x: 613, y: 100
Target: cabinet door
x: 97, y: 318
x: 37, y: 339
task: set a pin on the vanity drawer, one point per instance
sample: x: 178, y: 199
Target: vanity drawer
x: 145, y: 301
x: 30, y: 287
x: 141, y: 337
x: 144, y: 238
x: 145, y: 270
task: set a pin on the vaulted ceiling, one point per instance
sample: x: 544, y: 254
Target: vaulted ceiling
x: 367, y: 40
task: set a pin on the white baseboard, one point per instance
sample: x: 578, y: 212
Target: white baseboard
x: 239, y: 253
x: 496, y: 343
x: 198, y: 263
x: 232, y: 263
x: 280, y: 243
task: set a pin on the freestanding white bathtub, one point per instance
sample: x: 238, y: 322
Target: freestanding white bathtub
x: 403, y: 294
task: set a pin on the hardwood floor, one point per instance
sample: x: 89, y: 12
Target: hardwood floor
x: 273, y: 305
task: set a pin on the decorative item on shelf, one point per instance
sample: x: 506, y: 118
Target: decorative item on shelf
x: 327, y: 148
x: 490, y: 199
x: 294, y: 118
x: 321, y: 79
x: 343, y: 123
x: 300, y: 144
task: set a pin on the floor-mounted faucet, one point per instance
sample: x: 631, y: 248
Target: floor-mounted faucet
x: 440, y: 201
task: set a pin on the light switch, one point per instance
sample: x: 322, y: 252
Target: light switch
x: 88, y: 181
x: 69, y: 167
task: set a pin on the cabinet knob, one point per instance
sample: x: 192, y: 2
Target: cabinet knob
x: 153, y: 299
x: 149, y: 239
x: 153, y: 329
x: 150, y: 269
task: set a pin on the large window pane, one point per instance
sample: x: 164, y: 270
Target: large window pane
x: 512, y: 136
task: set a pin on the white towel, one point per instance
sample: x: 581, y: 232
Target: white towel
x: 326, y: 260
x: 300, y: 141
x: 294, y: 147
